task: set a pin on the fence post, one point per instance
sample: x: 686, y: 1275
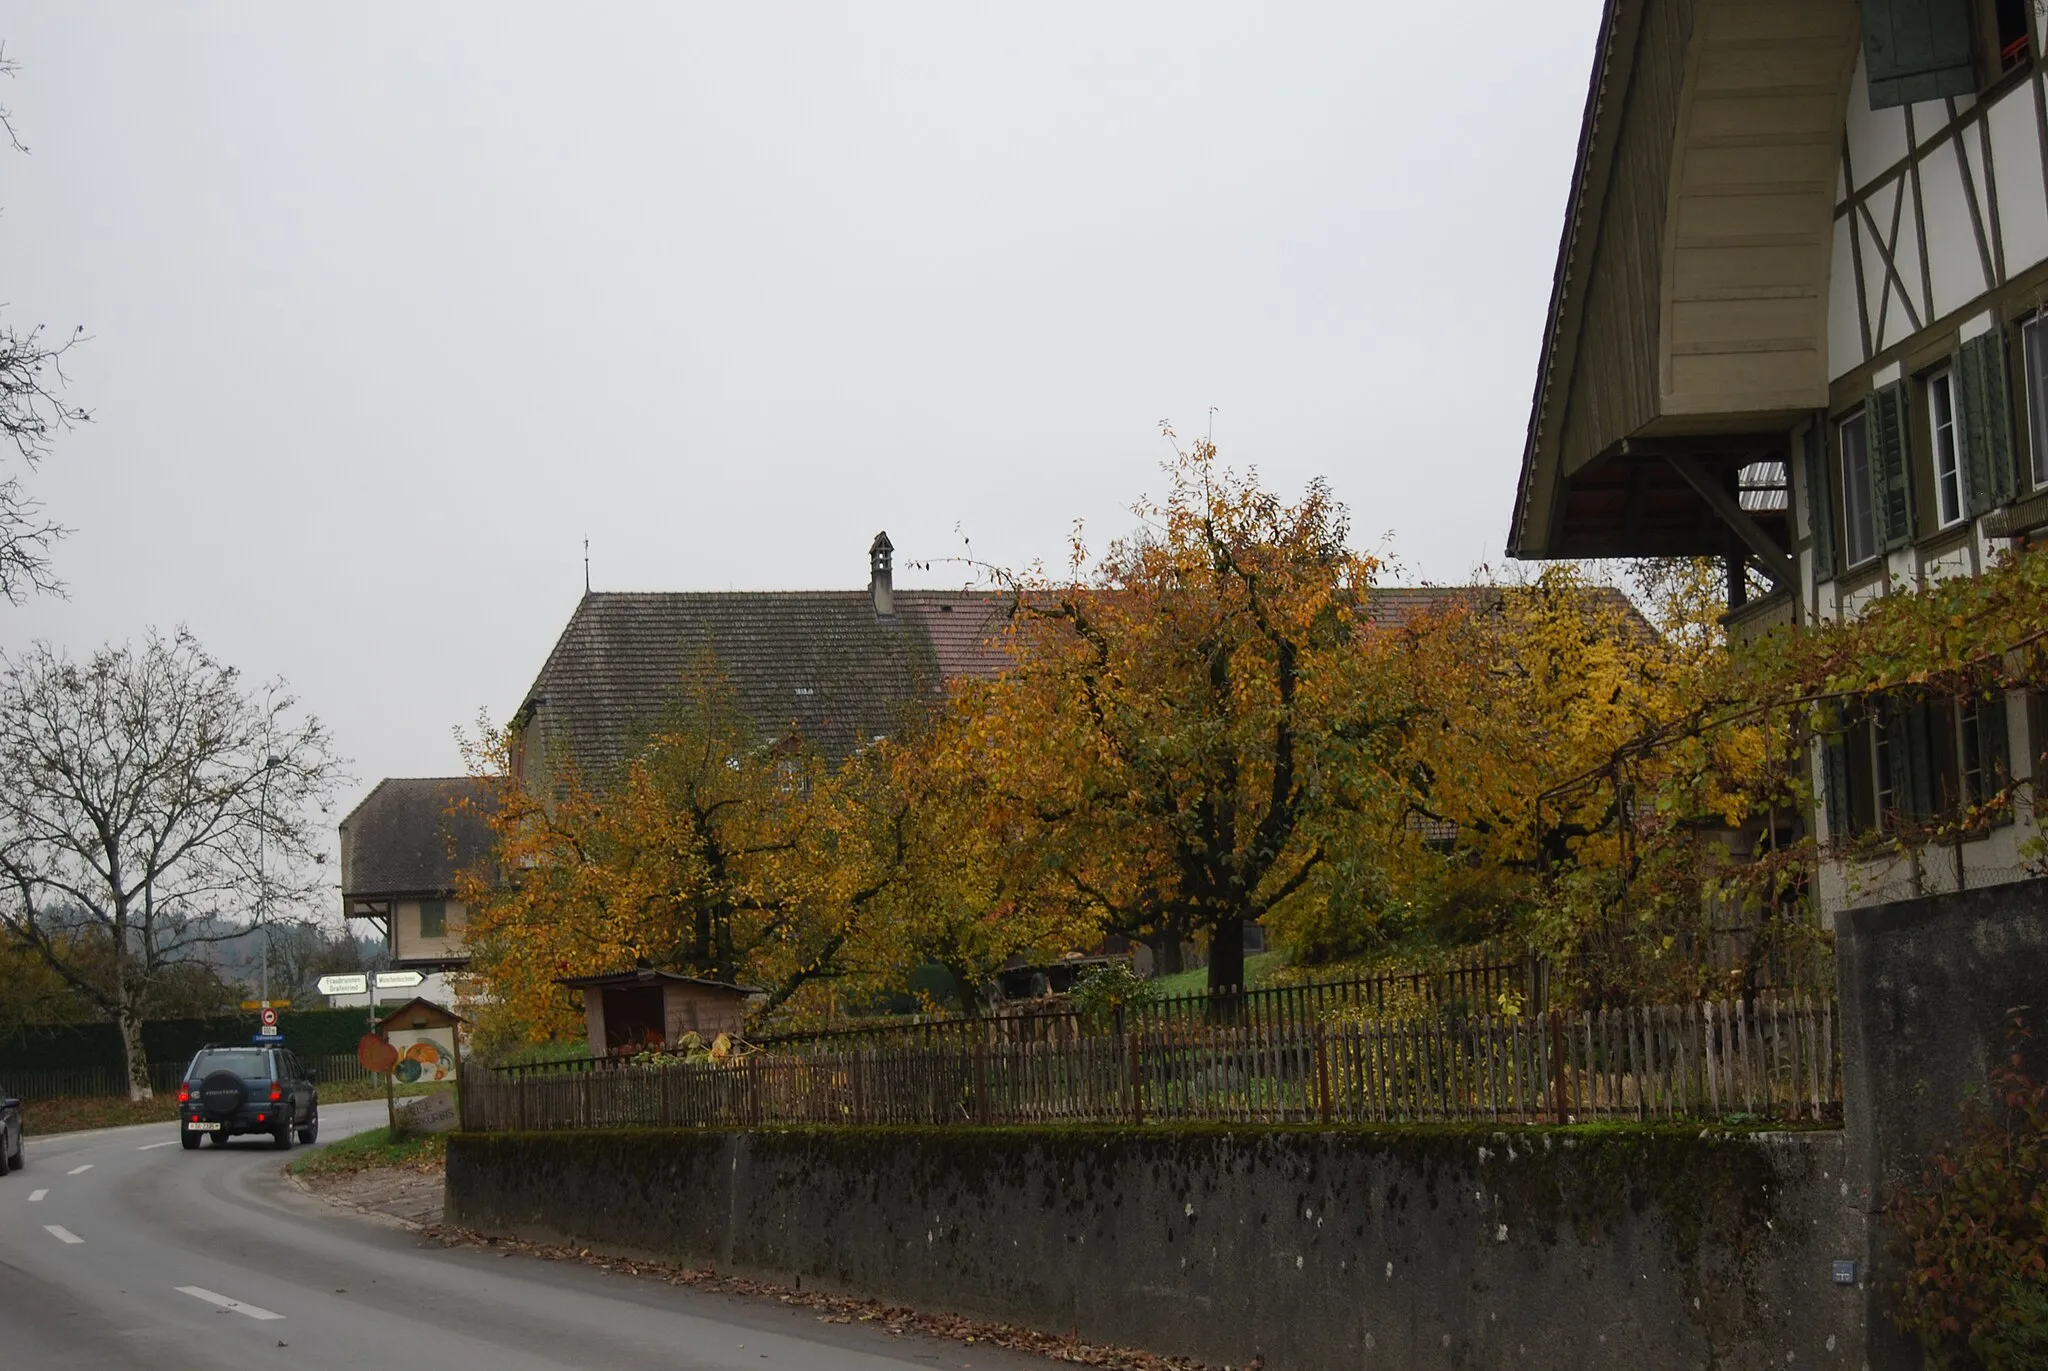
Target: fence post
x: 1137, y: 1079
x: 1557, y: 1098
x: 981, y: 1082
x: 1323, y: 1072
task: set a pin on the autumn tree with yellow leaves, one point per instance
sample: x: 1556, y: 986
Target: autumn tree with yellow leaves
x: 1187, y: 723
x: 1206, y: 726
x: 708, y: 853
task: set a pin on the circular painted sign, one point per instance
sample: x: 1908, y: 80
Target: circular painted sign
x: 270, y: 1018
x: 376, y: 1054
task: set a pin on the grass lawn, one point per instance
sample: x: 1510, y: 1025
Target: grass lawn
x: 40, y: 1117
x: 1258, y: 969
x: 370, y: 1151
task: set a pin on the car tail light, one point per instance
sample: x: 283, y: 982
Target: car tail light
x: 276, y: 1092
x: 260, y: 1118
x: 184, y: 1093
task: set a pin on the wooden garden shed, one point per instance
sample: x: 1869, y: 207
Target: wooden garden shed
x: 644, y: 1009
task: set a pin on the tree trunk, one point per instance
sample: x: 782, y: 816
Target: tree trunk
x: 1226, y: 955
x: 1226, y: 971
x: 136, y: 1057
x: 1166, y: 954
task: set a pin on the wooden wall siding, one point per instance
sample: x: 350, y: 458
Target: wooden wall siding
x: 1750, y: 223
x: 1937, y: 205
x: 1612, y: 390
x: 1701, y: 305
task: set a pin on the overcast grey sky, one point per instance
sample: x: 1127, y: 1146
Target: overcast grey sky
x: 392, y: 306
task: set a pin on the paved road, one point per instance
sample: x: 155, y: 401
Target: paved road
x: 117, y: 1251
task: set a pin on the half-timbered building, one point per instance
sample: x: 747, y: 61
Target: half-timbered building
x: 1798, y: 323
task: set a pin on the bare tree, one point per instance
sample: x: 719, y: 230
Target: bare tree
x: 31, y: 414
x: 300, y: 953
x: 150, y: 804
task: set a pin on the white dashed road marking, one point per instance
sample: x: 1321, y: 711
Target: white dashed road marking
x: 79, y: 1170
x: 35, y: 1195
x: 250, y: 1310
x: 151, y: 1147
x: 61, y: 1233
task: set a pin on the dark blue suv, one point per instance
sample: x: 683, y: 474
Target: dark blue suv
x: 230, y: 1090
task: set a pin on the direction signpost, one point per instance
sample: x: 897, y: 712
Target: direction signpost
x: 398, y: 980
x: 344, y: 985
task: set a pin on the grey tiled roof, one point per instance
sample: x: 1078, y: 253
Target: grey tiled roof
x: 817, y: 664
x: 1401, y: 606
x: 403, y: 840
x: 821, y: 665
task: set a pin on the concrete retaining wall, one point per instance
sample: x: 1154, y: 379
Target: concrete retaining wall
x: 1410, y: 1248
x: 1926, y: 990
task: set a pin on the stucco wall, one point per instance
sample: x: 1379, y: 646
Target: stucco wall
x: 408, y: 945
x: 1413, y: 1248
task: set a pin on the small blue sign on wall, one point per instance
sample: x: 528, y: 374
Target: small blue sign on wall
x: 1845, y: 1273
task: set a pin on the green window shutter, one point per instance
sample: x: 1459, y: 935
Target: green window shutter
x: 1984, y: 387
x: 1820, y: 503
x: 1917, y: 50
x: 1835, y: 786
x: 1994, y: 748
x: 1916, y: 736
x: 1891, y: 471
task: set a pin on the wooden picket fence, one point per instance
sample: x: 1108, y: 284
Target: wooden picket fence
x: 1774, y: 1058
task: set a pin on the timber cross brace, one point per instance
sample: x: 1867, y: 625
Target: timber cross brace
x: 1768, y: 556
x: 1712, y: 470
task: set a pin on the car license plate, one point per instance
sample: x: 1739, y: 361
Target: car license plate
x: 198, y: 1126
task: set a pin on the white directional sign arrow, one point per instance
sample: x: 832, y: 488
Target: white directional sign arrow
x: 398, y: 980
x: 344, y: 985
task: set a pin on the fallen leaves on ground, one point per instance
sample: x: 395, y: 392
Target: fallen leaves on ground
x: 840, y: 1309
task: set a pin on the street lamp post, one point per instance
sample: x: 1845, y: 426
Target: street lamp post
x: 270, y: 764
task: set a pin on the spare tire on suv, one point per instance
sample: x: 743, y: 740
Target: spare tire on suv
x: 222, y: 1092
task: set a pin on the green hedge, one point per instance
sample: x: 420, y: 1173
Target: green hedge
x: 84, y: 1046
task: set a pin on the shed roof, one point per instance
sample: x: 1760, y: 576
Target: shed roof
x: 411, y: 835
x: 418, y: 1002
x: 648, y: 976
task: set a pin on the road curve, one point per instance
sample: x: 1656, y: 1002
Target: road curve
x: 119, y: 1252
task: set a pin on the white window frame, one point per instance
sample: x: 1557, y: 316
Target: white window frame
x: 1947, y: 435
x: 1855, y: 472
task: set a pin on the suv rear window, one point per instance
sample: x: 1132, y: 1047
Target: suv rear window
x: 249, y: 1063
